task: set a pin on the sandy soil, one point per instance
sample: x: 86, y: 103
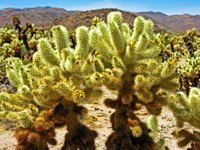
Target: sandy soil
x: 98, y: 119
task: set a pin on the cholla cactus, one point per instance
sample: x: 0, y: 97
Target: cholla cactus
x: 2, y: 69
x: 181, y: 44
x: 6, y: 51
x: 111, y: 54
x: 187, y: 111
x: 95, y: 20
x: 153, y: 125
x: 192, y: 33
x: 132, y: 68
x: 173, y: 43
x: 7, y: 35
x: 189, y: 73
x: 38, y: 32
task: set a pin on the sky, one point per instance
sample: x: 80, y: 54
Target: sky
x: 169, y: 7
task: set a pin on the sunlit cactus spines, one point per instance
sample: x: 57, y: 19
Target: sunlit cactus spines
x: 139, y: 24
x: 83, y: 48
x: 48, y: 53
x: 60, y: 33
x: 153, y: 125
x: 189, y: 73
x: 187, y: 112
x: 63, y: 73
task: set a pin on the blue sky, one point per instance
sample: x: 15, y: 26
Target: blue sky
x: 169, y: 7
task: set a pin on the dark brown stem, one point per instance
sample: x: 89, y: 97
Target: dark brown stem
x: 129, y: 131
x: 172, y: 46
x: 188, y: 42
x: 123, y: 137
x: 78, y: 135
x: 194, y: 146
x: 22, y: 34
x: 24, y: 37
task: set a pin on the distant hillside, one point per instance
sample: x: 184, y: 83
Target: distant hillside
x: 48, y: 17
x: 85, y: 18
x: 179, y: 23
x: 38, y: 15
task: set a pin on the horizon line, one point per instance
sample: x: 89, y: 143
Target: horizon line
x: 103, y: 8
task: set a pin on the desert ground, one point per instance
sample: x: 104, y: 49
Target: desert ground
x: 98, y: 119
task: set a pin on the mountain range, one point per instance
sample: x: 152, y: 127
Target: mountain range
x: 49, y: 16
x: 179, y: 23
